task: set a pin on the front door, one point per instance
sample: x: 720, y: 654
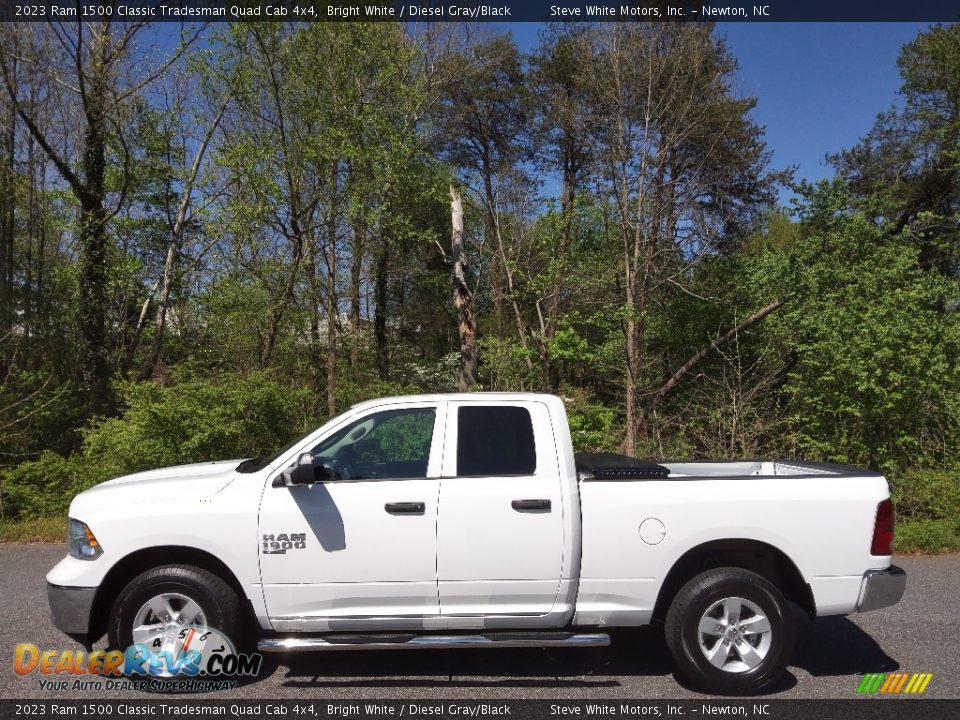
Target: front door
x: 500, y: 527
x: 352, y: 552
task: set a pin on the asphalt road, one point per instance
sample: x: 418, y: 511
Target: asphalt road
x: 920, y: 634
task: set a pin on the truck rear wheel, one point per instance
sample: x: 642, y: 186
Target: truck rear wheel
x: 729, y: 632
x: 153, y: 606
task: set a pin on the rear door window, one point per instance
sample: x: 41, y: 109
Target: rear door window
x: 495, y: 440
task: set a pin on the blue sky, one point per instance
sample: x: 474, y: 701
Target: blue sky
x: 819, y: 86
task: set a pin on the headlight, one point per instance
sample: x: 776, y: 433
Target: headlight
x: 81, y: 542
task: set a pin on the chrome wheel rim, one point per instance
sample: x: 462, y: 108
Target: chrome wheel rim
x: 162, y: 617
x: 734, y: 635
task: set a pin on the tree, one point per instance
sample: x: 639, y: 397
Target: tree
x: 680, y: 160
x: 322, y: 153
x: 877, y: 375
x: 462, y: 297
x: 7, y: 211
x: 567, y: 126
x: 90, y: 61
x: 178, y: 220
x: 481, y: 132
x: 911, y: 156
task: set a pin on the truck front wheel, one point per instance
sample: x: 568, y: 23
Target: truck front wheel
x: 729, y: 632
x: 153, y: 607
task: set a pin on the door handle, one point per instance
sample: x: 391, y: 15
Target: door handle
x: 405, y: 508
x: 521, y: 505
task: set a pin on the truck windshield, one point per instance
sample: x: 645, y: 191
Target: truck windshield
x: 257, y: 464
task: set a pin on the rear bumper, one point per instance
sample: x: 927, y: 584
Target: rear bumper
x: 70, y: 608
x: 881, y: 588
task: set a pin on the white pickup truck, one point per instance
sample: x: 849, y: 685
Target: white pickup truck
x: 466, y: 521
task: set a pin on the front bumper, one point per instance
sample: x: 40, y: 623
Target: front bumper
x: 71, y: 608
x: 881, y: 588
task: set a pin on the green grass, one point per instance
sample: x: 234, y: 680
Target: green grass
x: 928, y: 537
x: 48, y: 529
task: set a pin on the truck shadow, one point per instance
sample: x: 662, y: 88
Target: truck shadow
x: 825, y: 647
x: 838, y: 646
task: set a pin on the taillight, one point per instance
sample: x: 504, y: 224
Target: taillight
x: 883, y: 530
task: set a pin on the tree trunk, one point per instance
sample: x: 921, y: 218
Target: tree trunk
x: 279, y: 308
x: 7, y: 205
x: 704, y: 351
x: 356, y: 272
x: 381, y: 286
x: 332, y: 315
x: 462, y: 298
x: 173, y: 253
x: 316, y: 359
x: 163, y: 303
x: 551, y: 372
x: 31, y: 231
x: 94, y: 273
x: 629, y: 445
x: 495, y: 266
x: 41, y: 303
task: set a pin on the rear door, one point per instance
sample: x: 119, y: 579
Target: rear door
x: 499, y: 527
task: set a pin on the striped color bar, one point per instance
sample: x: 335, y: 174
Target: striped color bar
x: 894, y: 683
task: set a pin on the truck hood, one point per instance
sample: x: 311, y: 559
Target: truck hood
x: 196, y: 480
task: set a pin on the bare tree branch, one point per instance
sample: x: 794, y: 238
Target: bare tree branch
x: 665, y: 389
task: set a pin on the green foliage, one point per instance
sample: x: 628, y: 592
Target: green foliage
x: 927, y: 494
x: 911, y: 156
x: 44, y: 486
x: 198, y: 419
x: 927, y: 536
x: 567, y: 346
x: 438, y: 376
x: 403, y: 438
x: 222, y: 417
x: 593, y: 427
x: 349, y: 393
x: 313, y: 271
x: 878, y: 374
x: 226, y: 324
x: 507, y: 365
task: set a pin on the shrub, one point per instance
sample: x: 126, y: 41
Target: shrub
x: 195, y: 420
x: 927, y: 536
x: 593, y: 427
x: 42, y: 487
x: 927, y: 494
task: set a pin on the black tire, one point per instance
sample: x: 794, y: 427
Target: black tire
x: 683, y: 635
x: 217, y: 600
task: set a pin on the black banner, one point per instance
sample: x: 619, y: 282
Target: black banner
x: 419, y: 11
x: 860, y: 709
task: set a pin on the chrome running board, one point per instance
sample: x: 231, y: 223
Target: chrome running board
x: 408, y: 641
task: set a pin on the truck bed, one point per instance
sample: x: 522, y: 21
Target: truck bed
x: 634, y: 531
x: 760, y: 468
x: 613, y: 466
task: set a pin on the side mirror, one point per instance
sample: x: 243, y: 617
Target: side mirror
x: 303, y: 473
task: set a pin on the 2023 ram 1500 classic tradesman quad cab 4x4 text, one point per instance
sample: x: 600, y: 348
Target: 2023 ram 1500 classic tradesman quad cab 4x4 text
x: 466, y: 520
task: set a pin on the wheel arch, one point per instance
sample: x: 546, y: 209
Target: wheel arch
x: 762, y: 558
x: 139, y: 561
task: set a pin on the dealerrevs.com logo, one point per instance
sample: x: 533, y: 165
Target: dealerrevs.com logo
x: 183, y: 659
x: 894, y: 683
